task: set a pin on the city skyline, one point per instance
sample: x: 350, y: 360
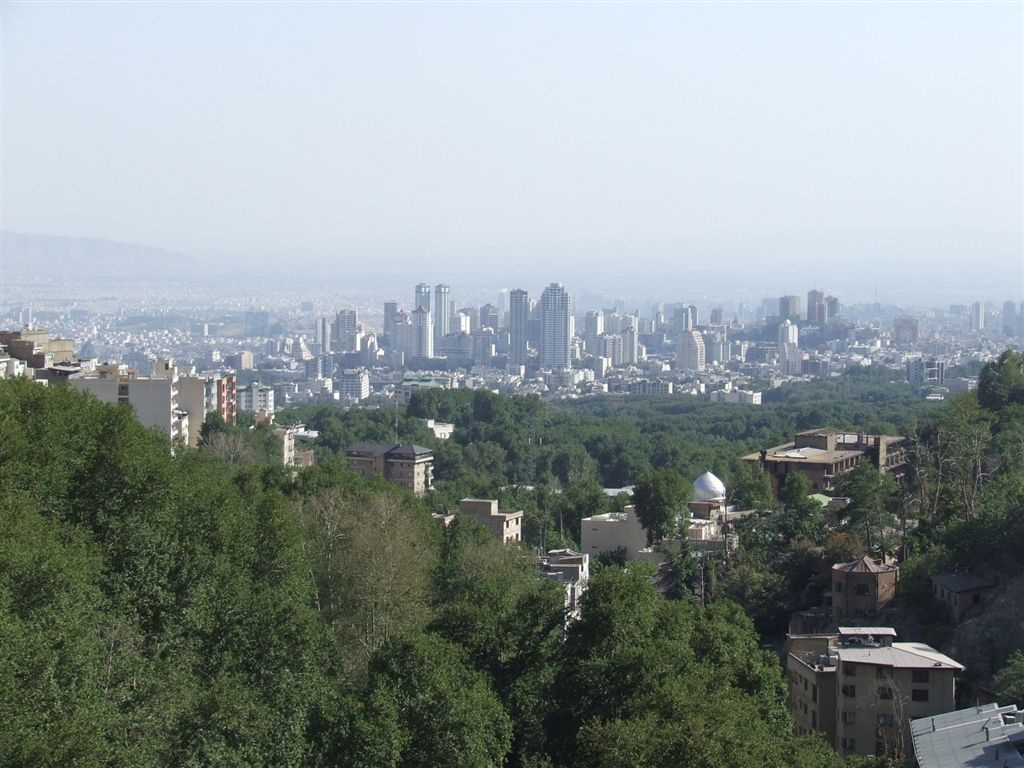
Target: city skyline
x: 873, y: 146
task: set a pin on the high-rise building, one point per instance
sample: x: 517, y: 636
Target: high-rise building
x: 814, y: 296
x: 788, y: 333
x: 421, y: 341
x: 489, y: 317
x: 612, y: 346
x: 683, y: 319
x: 905, y: 331
x: 518, y: 326
x: 631, y: 339
x: 592, y: 329
x: 1009, y: 319
x: 423, y: 297
x: 716, y: 316
x: 442, y: 312
x: 789, y: 307
x: 832, y: 305
x: 555, y: 331
x: 978, y: 316
x: 346, y: 331
x: 690, y: 352
x: 323, y: 335
x: 390, y: 314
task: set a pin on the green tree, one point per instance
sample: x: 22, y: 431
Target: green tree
x: 661, y: 497
x: 1009, y: 681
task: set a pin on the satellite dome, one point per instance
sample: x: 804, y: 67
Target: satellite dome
x: 707, y: 487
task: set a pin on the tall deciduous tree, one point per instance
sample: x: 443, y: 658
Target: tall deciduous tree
x: 661, y: 497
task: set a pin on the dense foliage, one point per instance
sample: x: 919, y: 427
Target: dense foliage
x: 179, y: 609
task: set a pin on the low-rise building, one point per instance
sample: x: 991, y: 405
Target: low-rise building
x: 407, y: 466
x: 861, y: 689
x: 960, y: 592
x: 987, y: 734
x: 507, y: 525
x: 825, y: 454
x: 863, y: 588
x: 571, y: 570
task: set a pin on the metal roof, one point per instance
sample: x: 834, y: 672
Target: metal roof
x: 985, y: 735
x: 900, y: 655
x: 961, y: 582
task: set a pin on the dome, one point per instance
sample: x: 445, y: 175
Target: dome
x: 707, y: 487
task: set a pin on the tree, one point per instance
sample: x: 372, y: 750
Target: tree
x: 430, y: 708
x: 1009, y: 681
x: 874, y: 501
x: 1001, y: 383
x: 660, y: 497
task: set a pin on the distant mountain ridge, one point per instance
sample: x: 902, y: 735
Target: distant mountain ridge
x: 88, y: 256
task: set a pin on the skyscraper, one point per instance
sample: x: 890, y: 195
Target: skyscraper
x: 789, y: 307
x: 442, y: 312
x: 346, y: 331
x: 1009, y: 319
x: 518, y: 326
x: 978, y: 316
x: 788, y: 333
x: 554, y: 328
x: 814, y: 296
x: 422, y: 340
x: 423, y: 297
x: 690, y: 352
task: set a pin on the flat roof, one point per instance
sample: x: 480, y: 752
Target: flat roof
x: 876, y: 631
x: 976, y: 736
x: 789, y: 452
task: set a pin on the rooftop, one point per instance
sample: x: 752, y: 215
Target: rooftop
x: 985, y: 735
x: 962, y: 582
x: 899, y: 655
x: 394, y: 450
x: 865, y: 565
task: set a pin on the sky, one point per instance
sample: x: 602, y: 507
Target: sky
x: 680, y: 147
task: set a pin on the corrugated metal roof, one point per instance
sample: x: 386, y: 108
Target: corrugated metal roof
x: 970, y: 737
x: 902, y: 655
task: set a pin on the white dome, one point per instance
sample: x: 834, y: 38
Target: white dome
x: 707, y: 487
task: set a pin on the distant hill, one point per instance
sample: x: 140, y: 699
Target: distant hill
x: 88, y: 257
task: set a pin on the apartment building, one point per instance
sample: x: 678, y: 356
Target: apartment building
x: 507, y: 525
x: 407, y: 466
x: 861, y: 689
x: 823, y: 455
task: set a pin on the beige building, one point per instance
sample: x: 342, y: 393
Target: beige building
x: 825, y: 454
x: 862, y: 588
x: 614, y: 532
x: 154, y: 398
x: 861, y: 689
x: 505, y: 524
x: 407, y: 466
x: 960, y: 592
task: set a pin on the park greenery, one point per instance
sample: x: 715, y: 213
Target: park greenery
x: 211, y: 607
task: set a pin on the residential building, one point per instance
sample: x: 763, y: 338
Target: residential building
x: 422, y: 298
x: 346, y: 333
x: 614, y: 533
x: 593, y: 328
x: 922, y: 372
x: 518, y: 326
x: 442, y: 430
x: 986, y: 734
x: 862, y: 690
x: 690, y: 352
x: 960, y: 592
x: 825, y: 454
x: 863, y: 588
x: 789, y: 308
x: 507, y: 525
x: 906, y: 331
x: 206, y: 394
x: 154, y: 398
x: 978, y: 316
x: 256, y: 398
x: 407, y: 466
x: 421, y: 336
x: 442, y: 313
x: 571, y: 570
x: 555, y: 328
x: 354, y: 385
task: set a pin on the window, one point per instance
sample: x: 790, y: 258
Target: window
x: 849, y: 691
x: 976, y: 599
x: 881, y: 673
x: 886, y: 721
x: 849, y: 717
x: 861, y: 589
x: 919, y: 694
x: 920, y: 676
x: 814, y: 693
x: 850, y: 670
x: 849, y: 745
x: 814, y: 719
x: 884, y: 692
x: 837, y: 587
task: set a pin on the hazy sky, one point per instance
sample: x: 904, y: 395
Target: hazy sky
x: 620, y: 141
